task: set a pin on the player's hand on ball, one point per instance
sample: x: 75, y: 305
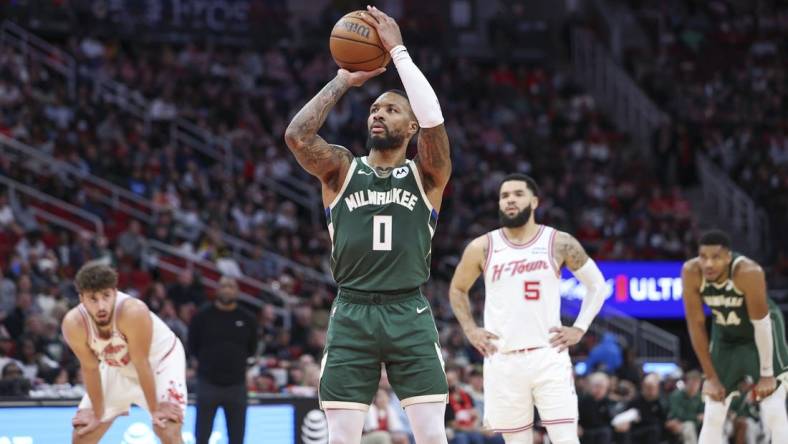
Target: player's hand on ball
x: 85, y: 421
x: 358, y: 78
x: 482, y: 339
x: 714, y: 389
x: 765, y: 386
x: 565, y: 337
x: 387, y: 28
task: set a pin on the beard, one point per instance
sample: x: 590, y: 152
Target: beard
x: 518, y: 220
x: 102, y: 323
x: 384, y: 142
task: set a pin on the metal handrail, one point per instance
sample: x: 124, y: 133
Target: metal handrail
x: 649, y: 340
x: 734, y: 207
x: 629, y: 106
x: 15, y: 186
x: 254, y: 283
x: 30, y: 45
x: 116, y: 193
x: 38, y: 195
x: 118, y: 196
x: 183, y: 131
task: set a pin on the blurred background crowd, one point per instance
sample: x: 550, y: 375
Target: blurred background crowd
x: 718, y: 74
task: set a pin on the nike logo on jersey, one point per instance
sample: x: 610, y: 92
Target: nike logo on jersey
x: 421, y: 310
x: 499, y: 250
x: 365, y: 173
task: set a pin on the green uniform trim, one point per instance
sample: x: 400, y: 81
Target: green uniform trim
x: 732, y: 346
x: 369, y: 330
x: 381, y: 229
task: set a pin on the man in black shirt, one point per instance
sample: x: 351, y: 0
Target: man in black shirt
x: 222, y: 336
x: 595, y: 411
x: 651, y: 413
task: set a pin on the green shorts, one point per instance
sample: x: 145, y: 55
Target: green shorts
x: 367, y: 330
x: 734, y: 361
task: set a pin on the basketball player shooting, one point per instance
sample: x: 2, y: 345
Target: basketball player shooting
x: 142, y: 361
x: 381, y: 211
x: 525, y: 346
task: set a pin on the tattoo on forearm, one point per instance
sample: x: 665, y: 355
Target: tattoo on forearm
x: 434, y: 153
x: 312, y: 149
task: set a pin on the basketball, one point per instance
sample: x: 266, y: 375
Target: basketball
x: 355, y: 45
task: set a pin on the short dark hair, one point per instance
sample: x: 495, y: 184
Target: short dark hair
x: 519, y: 177
x: 402, y: 93
x: 715, y: 237
x: 95, y: 276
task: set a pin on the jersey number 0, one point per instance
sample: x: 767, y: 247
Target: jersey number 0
x: 381, y: 233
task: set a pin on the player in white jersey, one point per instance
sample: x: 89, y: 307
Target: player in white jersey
x: 525, y: 346
x: 127, y: 355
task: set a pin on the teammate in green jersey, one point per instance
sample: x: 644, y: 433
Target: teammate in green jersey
x: 747, y: 335
x: 381, y: 210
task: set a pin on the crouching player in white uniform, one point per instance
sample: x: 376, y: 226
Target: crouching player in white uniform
x: 525, y: 346
x: 128, y: 356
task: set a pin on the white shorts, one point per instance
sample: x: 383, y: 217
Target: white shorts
x: 122, y: 389
x: 514, y: 383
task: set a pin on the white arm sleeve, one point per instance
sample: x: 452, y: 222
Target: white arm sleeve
x: 592, y: 279
x: 763, y: 341
x: 423, y: 100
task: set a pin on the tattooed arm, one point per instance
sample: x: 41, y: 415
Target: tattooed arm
x: 327, y: 162
x: 569, y: 252
x: 434, y: 162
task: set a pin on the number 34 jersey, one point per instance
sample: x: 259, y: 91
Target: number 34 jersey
x: 522, y: 299
x: 730, y: 320
x: 381, y: 229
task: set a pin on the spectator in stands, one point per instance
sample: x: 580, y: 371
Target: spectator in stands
x: 685, y: 409
x: 15, y: 321
x: 630, y: 370
x: 6, y: 213
x: 131, y: 243
x: 461, y: 417
x: 187, y: 290
x: 7, y: 295
x: 648, y: 414
x: 7, y: 347
x: 13, y: 382
x: 605, y: 356
x: 265, y: 382
x: 382, y: 425
x: 596, y: 411
x: 36, y: 365
x: 222, y: 337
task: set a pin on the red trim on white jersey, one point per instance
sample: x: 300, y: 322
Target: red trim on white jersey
x: 169, y: 352
x: 525, y: 245
x: 514, y: 430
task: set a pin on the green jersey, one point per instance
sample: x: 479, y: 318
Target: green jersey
x: 381, y: 229
x: 730, y: 320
